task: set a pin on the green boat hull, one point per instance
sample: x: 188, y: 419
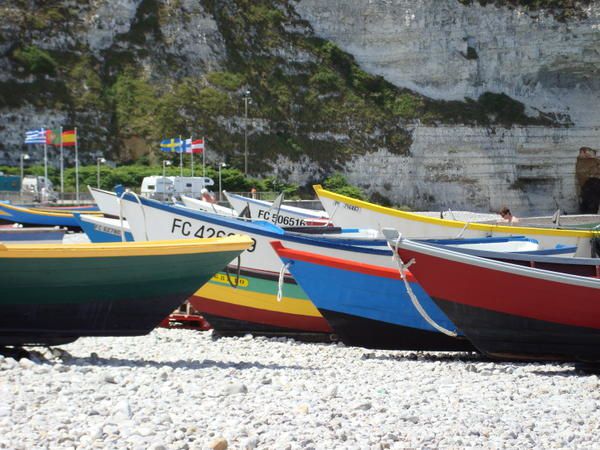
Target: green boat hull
x: 51, y: 301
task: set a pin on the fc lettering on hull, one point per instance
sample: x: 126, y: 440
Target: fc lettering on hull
x: 186, y: 229
x: 279, y: 219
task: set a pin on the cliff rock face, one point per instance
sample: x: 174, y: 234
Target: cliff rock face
x: 166, y: 40
x: 132, y: 71
x: 449, y: 51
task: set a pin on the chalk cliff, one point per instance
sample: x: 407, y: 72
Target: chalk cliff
x: 426, y: 103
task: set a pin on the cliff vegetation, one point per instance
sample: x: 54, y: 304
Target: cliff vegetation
x: 308, y: 97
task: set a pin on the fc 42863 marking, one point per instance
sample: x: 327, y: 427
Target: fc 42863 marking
x: 186, y: 229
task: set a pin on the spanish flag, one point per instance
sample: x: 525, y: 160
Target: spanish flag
x: 69, y: 138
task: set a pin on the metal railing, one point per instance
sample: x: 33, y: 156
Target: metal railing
x: 29, y: 198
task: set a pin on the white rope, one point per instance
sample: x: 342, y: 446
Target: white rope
x: 330, y: 218
x: 120, y: 202
x: 459, y: 235
x: 415, y: 301
x: 280, y: 282
x: 143, y: 213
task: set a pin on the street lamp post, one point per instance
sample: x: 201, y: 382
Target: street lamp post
x: 247, y: 100
x: 24, y: 156
x: 99, y: 160
x: 221, y: 166
x: 165, y: 163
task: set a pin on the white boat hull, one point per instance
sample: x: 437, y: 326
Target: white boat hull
x: 285, y: 216
x: 349, y: 212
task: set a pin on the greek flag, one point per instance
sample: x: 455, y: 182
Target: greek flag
x: 35, y: 136
x: 171, y: 145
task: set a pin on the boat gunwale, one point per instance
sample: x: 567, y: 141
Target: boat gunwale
x: 501, y: 266
x: 21, y: 210
x: 338, y: 263
x: 452, y: 223
x: 124, y: 249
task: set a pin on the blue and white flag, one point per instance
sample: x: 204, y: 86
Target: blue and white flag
x: 35, y: 136
x: 171, y: 145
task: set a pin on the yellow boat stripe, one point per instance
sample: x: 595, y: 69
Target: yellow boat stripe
x: 47, y: 213
x: 490, y: 228
x: 243, y: 297
x: 112, y: 249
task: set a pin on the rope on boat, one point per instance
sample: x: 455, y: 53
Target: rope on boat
x: 120, y: 202
x: 237, y: 283
x: 280, y: 282
x: 459, y: 235
x: 415, y: 301
x: 121, y: 213
x: 330, y: 218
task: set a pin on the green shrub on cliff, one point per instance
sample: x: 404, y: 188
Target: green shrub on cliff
x: 338, y: 183
x: 35, y: 60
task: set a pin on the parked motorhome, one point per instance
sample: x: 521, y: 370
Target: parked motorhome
x: 163, y: 188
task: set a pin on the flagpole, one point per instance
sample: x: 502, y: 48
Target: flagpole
x: 180, y: 157
x: 204, y: 157
x: 45, y: 165
x: 76, y: 168
x: 62, y: 183
x: 192, y: 154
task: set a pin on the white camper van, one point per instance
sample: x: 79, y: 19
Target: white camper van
x: 162, y: 188
x: 40, y: 188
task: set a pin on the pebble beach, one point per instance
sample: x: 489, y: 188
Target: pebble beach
x: 187, y: 389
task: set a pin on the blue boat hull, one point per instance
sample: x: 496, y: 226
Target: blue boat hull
x: 39, y: 219
x: 374, y: 311
x: 99, y: 234
x: 31, y: 235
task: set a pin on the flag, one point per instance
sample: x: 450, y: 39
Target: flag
x: 53, y: 136
x: 69, y: 138
x: 196, y: 146
x: 35, y: 136
x: 171, y: 145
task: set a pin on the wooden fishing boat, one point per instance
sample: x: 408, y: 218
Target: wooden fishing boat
x: 30, y: 216
x: 104, y: 229
x: 367, y: 305
x: 279, y: 214
x: 107, y: 201
x: 508, y: 310
x: 79, y: 209
x: 53, y: 294
x: 46, y: 235
x: 562, y: 222
x: 201, y: 205
x: 345, y: 211
x: 240, y: 299
x: 248, y: 302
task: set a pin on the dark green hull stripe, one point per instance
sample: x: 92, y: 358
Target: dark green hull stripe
x: 80, y: 280
x: 53, y: 299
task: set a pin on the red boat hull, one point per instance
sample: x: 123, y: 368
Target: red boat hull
x: 513, y: 313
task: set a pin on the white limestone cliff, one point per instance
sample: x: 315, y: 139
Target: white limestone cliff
x: 445, y: 50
